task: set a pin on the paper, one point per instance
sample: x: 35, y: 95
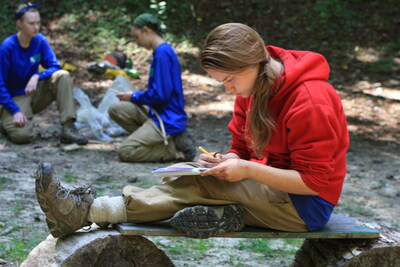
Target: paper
x: 178, y: 171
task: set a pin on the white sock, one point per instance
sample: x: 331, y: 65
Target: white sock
x: 107, y: 209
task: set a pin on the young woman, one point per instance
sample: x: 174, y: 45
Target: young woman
x: 24, y: 90
x: 157, y: 132
x: 286, y: 165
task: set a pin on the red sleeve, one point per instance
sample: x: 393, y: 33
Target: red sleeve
x: 314, y: 136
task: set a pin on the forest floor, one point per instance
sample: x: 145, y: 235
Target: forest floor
x: 371, y: 190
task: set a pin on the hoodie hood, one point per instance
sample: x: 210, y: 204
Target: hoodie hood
x: 310, y: 135
x: 300, y: 66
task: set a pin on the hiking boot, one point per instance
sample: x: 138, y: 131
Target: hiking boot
x: 208, y: 221
x: 184, y: 144
x: 66, y: 210
x: 69, y: 135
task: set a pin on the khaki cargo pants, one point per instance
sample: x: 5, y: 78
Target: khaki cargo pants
x: 58, y: 87
x: 264, y: 206
x: 145, y: 142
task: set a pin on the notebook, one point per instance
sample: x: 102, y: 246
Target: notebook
x: 178, y: 171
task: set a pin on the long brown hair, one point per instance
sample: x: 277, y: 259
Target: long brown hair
x: 232, y: 48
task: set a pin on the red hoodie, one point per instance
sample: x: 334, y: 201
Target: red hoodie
x: 311, y: 130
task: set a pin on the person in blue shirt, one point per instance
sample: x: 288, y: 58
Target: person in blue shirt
x: 155, y: 118
x: 24, y: 91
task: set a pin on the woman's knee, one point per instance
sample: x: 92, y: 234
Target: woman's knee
x: 113, y: 110
x: 128, y: 154
x: 61, y: 74
x: 20, y: 136
x: 62, y: 78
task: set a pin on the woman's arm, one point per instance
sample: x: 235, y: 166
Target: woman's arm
x: 235, y: 169
x: 49, y: 59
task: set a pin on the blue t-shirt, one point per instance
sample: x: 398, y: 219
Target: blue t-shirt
x: 18, y: 64
x: 164, y: 93
x: 314, y: 211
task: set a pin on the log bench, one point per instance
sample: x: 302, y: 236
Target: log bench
x: 339, y: 226
x: 342, y: 242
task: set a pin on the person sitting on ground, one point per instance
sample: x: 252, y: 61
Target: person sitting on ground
x: 24, y: 90
x: 157, y: 133
x: 285, y: 168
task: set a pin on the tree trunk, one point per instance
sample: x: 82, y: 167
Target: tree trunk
x: 97, y: 248
x: 383, y: 251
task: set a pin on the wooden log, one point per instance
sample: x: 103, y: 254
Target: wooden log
x: 383, y: 251
x: 117, y: 250
x: 97, y: 248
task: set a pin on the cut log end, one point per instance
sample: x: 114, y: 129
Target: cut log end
x: 383, y: 251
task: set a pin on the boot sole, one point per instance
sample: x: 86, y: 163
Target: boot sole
x: 204, y: 222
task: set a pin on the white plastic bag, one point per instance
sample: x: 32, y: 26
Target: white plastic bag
x: 96, y: 120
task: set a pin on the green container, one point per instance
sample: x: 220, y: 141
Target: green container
x: 132, y: 73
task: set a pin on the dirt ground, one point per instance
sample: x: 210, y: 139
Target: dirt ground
x: 371, y: 190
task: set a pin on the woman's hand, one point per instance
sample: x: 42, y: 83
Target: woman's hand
x: 232, y: 170
x: 124, y: 96
x: 19, y: 119
x: 206, y: 161
x: 32, y: 85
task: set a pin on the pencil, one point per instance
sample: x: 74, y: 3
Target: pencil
x: 205, y: 152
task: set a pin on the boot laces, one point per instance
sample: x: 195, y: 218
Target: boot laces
x: 75, y: 194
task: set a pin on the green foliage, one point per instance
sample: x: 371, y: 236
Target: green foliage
x: 256, y: 245
x: 100, y: 191
x: 159, y: 7
x: 100, y: 32
x: 384, y: 65
x: 17, y: 209
x: 102, y: 180
x: 145, y: 183
x: 330, y: 26
x: 21, y: 244
x: 265, y: 246
x: 4, y: 181
x: 7, y: 23
x: 178, y: 248
x: 187, y: 245
x: 70, y: 177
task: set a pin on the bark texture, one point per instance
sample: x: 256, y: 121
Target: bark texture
x: 383, y: 251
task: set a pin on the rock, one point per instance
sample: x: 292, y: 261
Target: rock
x: 43, y: 254
x: 96, y: 248
x: 132, y: 180
x: 7, y: 230
x: 388, y: 191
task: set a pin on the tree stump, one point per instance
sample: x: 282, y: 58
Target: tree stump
x: 97, y: 248
x: 383, y: 251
